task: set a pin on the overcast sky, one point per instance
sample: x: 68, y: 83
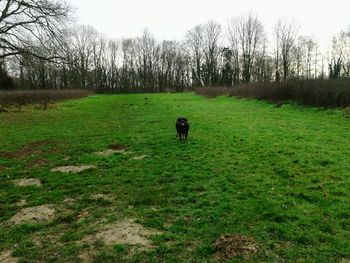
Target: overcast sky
x: 171, y: 19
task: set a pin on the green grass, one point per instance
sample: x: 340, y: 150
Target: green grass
x: 279, y: 175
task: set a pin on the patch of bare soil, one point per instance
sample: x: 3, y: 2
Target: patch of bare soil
x: 140, y: 157
x: 68, y: 201
x: 124, y: 232
x: 82, y: 215
x: 21, y: 202
x: 37, y: 163
x: 117, y: 147
x: 73, y: 169
x: 33, y: 215
x: 87, y: 255
x: 33, y: 148
x: 27, y: 182
x: 42, y: 239
x: 108, y: 153
x: 101, y: 196
x: 6, y: 257
x: 3, y: 168
x: 229, y: 246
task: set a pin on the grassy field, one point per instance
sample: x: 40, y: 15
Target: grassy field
x: 277, y: 175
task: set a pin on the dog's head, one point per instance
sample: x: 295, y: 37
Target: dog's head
x: 182, y: 122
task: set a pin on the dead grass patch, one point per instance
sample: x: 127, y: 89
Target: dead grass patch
x: 42, y: 239
x: 68, y: 201
x: 83, y: 214
x: 30, y: 149
x: 21, y: 202
x: 101, y: 196
x: 35, y: 214
x: 6, y: 257
x: 87, y: 255
x: 229, y: 246
x: 45, y: 106
x: 123, y: 232
x: 139, y: 157
x: 73, y: 169
x: 107, y: 153
x: 37, y: 163
x: 27, y: 182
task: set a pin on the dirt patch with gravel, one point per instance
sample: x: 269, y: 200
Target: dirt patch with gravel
x: 73, y: 169
x: 33, y: 148
x: 27, y: 182
x: 35, y: 214
x: 6, y: 257
x: 229, y: 246
x: 123, y: 232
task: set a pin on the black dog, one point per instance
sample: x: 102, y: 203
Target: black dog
x: 182, y: 127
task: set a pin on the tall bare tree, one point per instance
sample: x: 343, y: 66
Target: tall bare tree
x: 247, y: 33
x: 21, y: 21
x: 286, y: 32
x: 211, y: 51
x: 194, y: 43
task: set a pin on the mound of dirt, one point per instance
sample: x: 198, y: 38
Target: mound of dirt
x: 123, y: 232
x: 229, y: 246
x: 27, y: 182
x: 6, y: 257
x: 117, y: 147
x: 73, y: 169
x: 33, y: 215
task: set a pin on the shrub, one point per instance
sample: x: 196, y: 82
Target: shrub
x: 22, y: 97
x: 211, y: 92
x: 319, y: 93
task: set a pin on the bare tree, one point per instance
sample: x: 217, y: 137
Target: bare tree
x: 24, y: 20
x: 211, y: 51
x: 194, y: 43
x: 286, y: 32
x: 247, y: 33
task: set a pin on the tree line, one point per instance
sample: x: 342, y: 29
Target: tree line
x: 41, y: 48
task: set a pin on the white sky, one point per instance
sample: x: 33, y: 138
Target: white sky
x: 171, y: 19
